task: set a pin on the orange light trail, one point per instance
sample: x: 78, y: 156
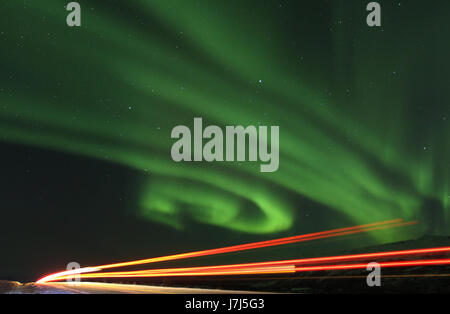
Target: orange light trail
x: 288, y: 240
x: 304, y: 261
x: 262, y: 244
x: 262, y: 265
x: 263, y: 270
x: 140, y: 274
x: 382, y: 264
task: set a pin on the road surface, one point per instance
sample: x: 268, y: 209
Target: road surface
x: 109, y: 288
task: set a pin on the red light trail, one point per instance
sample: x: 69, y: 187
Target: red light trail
x: 258, y: 271
x: 275, y: 267
x: 382, y: 264
x: 262, y: 244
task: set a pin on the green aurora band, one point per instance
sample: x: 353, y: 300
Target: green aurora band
x: 363, y: 113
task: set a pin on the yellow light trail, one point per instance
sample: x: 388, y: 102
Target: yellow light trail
x: 257, y: 245
x: 259, y: 270
x: 300, y: 238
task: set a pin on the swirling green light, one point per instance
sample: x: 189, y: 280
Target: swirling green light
x: 113, y: 89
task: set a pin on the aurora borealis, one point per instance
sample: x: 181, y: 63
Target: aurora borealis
x: 363, y: 112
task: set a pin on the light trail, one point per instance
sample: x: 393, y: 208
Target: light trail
x: 296, y: 262
x: 262, y: 270
x: 262, y: 244
x: 359, y: 277
x: 275, y: 242
x: 143, y: 274
x: 316, y: 260
x: 68, y: 274
x: 260, y: 265
x: 382, y: 264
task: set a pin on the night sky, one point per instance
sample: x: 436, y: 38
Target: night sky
x: 86, y: 115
